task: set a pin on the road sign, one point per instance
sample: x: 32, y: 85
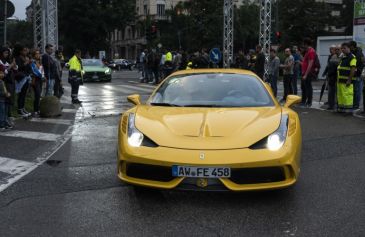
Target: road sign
x: 215, y: 55
x: 101, y: 54
x: 10, y: 9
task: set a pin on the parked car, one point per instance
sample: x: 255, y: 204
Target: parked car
x: 119, y: 64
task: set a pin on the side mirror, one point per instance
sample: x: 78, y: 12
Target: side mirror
x: 291, y: 100
x: 134, y: 99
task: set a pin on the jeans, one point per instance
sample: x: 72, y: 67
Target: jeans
x: 3, y: 114
x: 22, y: 96
x: 288, y: 89
x: 37, y: 87
x: 274, y: 84
x: 295, y: 81
x: 331, y: 96
x: 307, y: 90
x: 50, y: 87
x: 156, y: 75
x: 358, y: 85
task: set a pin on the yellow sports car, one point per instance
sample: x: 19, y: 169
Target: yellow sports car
x: 211, y: 129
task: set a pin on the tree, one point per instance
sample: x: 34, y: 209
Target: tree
x: 20, y: 32
x: 87, y: 24
x: 246, y: 24
x: 299, y: 19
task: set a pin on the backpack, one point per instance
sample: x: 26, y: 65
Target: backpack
x: 316, y: 66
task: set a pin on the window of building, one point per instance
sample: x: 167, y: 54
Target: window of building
x: 161, y: 9
x: 145, y: 10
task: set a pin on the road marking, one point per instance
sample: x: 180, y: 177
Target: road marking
x: 53, y: 121
x: 39, y: 160
x: 136, y: 88
x: 13, y: 166
x: 32, y: 135
x: 69, y: 110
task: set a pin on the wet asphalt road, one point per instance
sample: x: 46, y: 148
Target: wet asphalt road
x: 76, y: 191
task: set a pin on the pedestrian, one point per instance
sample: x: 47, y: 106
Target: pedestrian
x: 346, y: 75
x: 274, y: 64
x: 204, y: 59
x: 50, y: 71
x: 4, y: 94
x: 168, y: 66
x: 8, y: 64
x: 330, y: 73
x: 358, y: 83
x: 37, y: 80
x: 177, y: 61
x: 184, y: 60
x: 309, y: 72
x: 22, y: 77
x: 297, y: 65
x: 155, y: 63
x: 142, y: 59
x: 288, y: 72
x: 75, y: 76
x: 150, y: 62
x: 260, y: 62
x: 58, y: 82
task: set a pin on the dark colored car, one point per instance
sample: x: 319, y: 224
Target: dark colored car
x: 119, y: 64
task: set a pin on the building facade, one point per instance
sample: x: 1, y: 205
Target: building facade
x: 129, y: 42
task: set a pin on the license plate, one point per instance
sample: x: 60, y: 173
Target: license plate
x: 95, y: 77
x: 201, y: 172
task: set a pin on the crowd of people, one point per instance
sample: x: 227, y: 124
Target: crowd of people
x: 344, y: 71
x: 23, y: 71
x: 155, y: 66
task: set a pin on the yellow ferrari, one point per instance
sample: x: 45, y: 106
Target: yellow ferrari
x: 211, y: 129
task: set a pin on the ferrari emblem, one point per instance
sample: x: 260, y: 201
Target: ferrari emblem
x: 202, y: 156
x: 202, y: 183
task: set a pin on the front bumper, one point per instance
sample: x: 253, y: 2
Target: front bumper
x: 251, y: 169
x: 96, y: 76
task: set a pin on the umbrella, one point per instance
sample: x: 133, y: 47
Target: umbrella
x: 324, y: 86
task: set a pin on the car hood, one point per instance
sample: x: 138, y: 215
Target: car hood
x: 207, y: 128
x: 94, y: 69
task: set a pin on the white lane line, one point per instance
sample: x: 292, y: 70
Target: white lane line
x: 136, y: 88
x: 13, y: 166
x: 32, y: 135
x: 39, y: 160
x: 69, y: 110
x: 53, y: 121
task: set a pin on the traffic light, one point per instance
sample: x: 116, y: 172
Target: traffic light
x: 278, y: 36
x: 151, y: 33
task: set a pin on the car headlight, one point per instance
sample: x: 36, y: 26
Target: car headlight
x: 83, y: 72
x: 107, y: 71
x: 135, y: 137
x: 276, y: 140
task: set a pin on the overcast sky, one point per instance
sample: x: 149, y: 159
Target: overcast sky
x: 20, y: 6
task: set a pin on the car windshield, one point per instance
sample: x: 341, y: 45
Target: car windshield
x: 212, y: 90
x: 92, y: 62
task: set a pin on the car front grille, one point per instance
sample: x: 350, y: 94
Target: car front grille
x: 149, y: 172
x: 257, y: 175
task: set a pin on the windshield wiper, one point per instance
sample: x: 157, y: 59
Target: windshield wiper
x: 165, y: 104
x: 203, y: 105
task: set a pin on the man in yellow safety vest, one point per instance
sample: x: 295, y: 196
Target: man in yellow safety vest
x: 345, y: 78
x: 75, y: 76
